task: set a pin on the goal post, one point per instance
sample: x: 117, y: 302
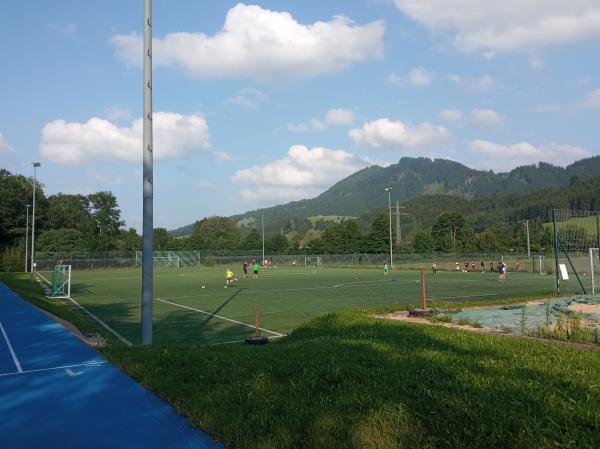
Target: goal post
x: 594, y: 269
x: 312, y: 262
x: 166, y: 262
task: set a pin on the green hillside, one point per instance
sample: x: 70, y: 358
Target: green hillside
x: 411, y: 178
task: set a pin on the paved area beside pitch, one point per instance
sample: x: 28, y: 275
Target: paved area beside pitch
x: 56, y: 392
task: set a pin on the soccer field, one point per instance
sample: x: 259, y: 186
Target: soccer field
x: 185, y: 312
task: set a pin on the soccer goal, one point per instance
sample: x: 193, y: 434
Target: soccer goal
x: 312, y: 262
x: 59, y: 285
x: 166, y: 262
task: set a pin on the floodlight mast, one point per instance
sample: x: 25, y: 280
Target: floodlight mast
x: 147, y: 225
x: 35, y: 166
x: 389, y: 191
x: 27, y: 237
x: 262, y: 219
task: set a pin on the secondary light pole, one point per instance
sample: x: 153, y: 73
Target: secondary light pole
x: 27, y: 237
x: 389, y: 191
x: 262, y: 219
x: 148, y: 189
x: 35, y: 166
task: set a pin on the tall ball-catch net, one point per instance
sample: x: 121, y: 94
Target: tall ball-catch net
x: 576, y: 235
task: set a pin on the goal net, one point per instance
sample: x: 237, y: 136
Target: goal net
x: 312, y: 262
x: 169, y: 261
x: 59, y: 283
x: 575, y: 237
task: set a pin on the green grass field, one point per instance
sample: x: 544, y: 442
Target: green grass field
x: 184, y: 312
x: 347, y: 381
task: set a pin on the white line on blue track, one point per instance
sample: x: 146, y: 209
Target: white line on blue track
x: 89, y: 364
x: 10, y: 348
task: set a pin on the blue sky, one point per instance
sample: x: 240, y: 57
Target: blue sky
x: 261, y: 103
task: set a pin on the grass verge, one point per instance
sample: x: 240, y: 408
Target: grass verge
x: 346, y: 380
x: 32, y: 292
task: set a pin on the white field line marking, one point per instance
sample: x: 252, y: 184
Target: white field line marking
x: 102, y: 323
x: 72, y: 373
x: 221, y: 317
x: 10, y: 348
x: 364, y: 282
x: 54, y: 368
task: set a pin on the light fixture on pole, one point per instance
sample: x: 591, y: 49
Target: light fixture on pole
x: 148, y: 184
x: 389, y: 191
x: 27, y: 238
x: 35, y: 166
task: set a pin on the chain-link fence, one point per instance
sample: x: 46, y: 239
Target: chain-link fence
x: 445, y: 262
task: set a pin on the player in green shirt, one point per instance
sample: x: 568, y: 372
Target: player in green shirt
x: 255, y: 269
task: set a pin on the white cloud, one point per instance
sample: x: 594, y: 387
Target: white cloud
x: 334, y: 117
x: 417, y: 77
x: 5, y: 148
x: 505, y: 157
x: 117, y: 113
x: 592, y: 100
x: 387, y: 134
x: 484, y: 83
x: 340, y: 116
x: 486, y: 119
x: 99, y: 139
x: 301, y: 174
x: 248, y: 98
x: 221, y: 155
x: 510, y: 25
x: 261, y: 44
x: 204, y: 184
x: 451, y: 115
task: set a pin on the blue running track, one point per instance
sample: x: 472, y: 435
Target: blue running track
x: 56, y: 392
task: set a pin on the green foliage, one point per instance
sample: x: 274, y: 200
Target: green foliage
x: 215, y: 233
x: 253, y: 240
x: 62, y: 240
x: 423, y: 242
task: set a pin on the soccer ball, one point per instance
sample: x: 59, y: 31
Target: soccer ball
x: 203, y: 286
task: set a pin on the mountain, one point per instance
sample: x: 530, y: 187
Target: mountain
x: 411, y: 178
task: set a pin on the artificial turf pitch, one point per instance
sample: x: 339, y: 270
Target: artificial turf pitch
x: 187, y: 313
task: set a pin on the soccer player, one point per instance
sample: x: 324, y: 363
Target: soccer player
x: 482, y: 266
x: 434, y: 268
x: 501, y: 271
x: 245, y: 270
x: 255, y: 269
x: 385, y: 269
x: 517, y: 266
x: 228, y: 278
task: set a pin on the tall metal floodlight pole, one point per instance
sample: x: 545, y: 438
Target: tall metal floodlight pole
x: 389, y: 191
x: 35, y: 166
x: 262, y: 219
x: 147, y: 225
x: 27, y: 238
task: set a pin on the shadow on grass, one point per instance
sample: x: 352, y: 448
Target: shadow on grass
x: 346, y: 381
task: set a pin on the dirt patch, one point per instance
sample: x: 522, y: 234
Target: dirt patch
x: 585, y: 308
x: 403, y: 316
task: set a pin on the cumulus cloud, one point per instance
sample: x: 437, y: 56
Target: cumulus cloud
x: 99, y: 139
x: 451, y: 115
x: 486, y: 119
x: 417, y: 77
x: 248, y: 98
x: 504, y: 157
x: 387, y: 134
x: 302, y: 173
x: 334, y: 117
x: 261, y: 44
x: 510, y: 25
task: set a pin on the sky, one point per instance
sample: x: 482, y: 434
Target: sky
x: 256, y: 104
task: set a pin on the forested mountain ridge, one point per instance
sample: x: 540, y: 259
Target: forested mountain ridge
x: 411, y: 178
